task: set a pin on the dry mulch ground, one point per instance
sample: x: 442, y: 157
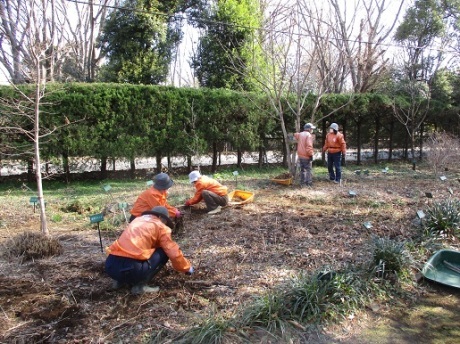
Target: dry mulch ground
x: 239, y: 253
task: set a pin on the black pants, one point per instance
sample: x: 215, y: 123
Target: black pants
x: 132, y: 271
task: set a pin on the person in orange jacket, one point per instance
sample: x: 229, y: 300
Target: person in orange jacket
x: 305, y: 153
x: 141, y: 251
x: 335, y: 146
x: 155, y: 196
x: 211, y: 191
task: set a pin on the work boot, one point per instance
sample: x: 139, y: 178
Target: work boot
x: 215, y: 211
x: 141, y: 289
x: 116, y: 285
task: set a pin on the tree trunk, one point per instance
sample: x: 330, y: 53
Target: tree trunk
x: 104, y: 167
x: 214, y: 157
x: 189, y: 163
x: 390, y: 143
x: 239, y: 158
x: 132, y: 168
x: 376, y: 139
x: 358, y: 141
x: 30, y: 171
x: 66, y: 167
x: 422, y: 127
x: 344, y: 132
x: 158, y: 161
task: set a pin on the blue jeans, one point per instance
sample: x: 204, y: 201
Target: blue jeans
x: 305, y: 171
x: 132, y: 271
x: 334, y: 160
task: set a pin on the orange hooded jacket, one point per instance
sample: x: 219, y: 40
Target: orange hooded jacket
x: 143, y: 236
x: 206, y: 183
x: 152, y: 198
x: 335, y: 143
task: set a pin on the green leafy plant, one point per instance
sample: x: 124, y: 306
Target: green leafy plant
x: 443, y: 218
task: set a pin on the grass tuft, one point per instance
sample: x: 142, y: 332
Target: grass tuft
x: 32, y: 245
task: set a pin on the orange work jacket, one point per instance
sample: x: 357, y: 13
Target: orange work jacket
x: 304, y: 144
x: 152, y: 198
x: 206, y: 183
x: 335, y: 143
x: 143, y: 236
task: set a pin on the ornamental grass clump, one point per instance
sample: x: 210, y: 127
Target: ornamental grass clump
x: 32, y: 245
x: 326, y: 296
x: 390, y: 257
x: 443, y: 219
x: 212, y: 330
x: 268, y: 312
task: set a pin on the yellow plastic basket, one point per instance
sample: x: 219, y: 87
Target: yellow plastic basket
x: 283, y: 181
x: 244, y: 196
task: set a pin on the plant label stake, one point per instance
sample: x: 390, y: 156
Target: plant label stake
x: 107, y: 189
x: 97, y: 218
x: 443, y: 178
x: 420, y: 214
x: 33, y: 201
x: 367, y: 225
x: 352, y: 193
x: 235, y: 173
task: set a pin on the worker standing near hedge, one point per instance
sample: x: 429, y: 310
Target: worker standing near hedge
x: 335, y: 146
x: 141, y: 251
x: 305, y: 154
x: 155, y: 196
x: 210, y: 190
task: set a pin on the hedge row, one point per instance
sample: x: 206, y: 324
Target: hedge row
x: 131, y: 121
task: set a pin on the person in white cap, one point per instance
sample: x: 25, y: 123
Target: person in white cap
x: 305, y: 154
x: 209, y: 190
x: 141, y: 251
x: 155, y: 196
x: 335, y: 146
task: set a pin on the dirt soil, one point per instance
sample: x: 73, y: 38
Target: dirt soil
x: 238, y: 254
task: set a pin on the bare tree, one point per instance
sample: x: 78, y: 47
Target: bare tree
x: 361, y: 37
x: 22, y: 110
x: 71, y: 34
x: 410, y: 107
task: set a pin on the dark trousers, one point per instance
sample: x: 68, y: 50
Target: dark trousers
x: 305, y: 171
x: 213, y: 200
x: 334, y: 160
x: 132, y: 271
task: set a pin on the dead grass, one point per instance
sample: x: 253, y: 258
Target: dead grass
x: 239, y: 253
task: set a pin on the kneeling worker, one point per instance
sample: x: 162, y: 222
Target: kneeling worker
x: 210, y: 190
x: 144, y: 247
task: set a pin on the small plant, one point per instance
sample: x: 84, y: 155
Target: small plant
x: 56, y: 218
x: 326, y: 295
x: 443, y: 218
x: 32, y: 245
x: 268, y: 312
x: 389, y: 256
x: 213, y: 330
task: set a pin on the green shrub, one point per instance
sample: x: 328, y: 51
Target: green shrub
x: 443, y: 218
